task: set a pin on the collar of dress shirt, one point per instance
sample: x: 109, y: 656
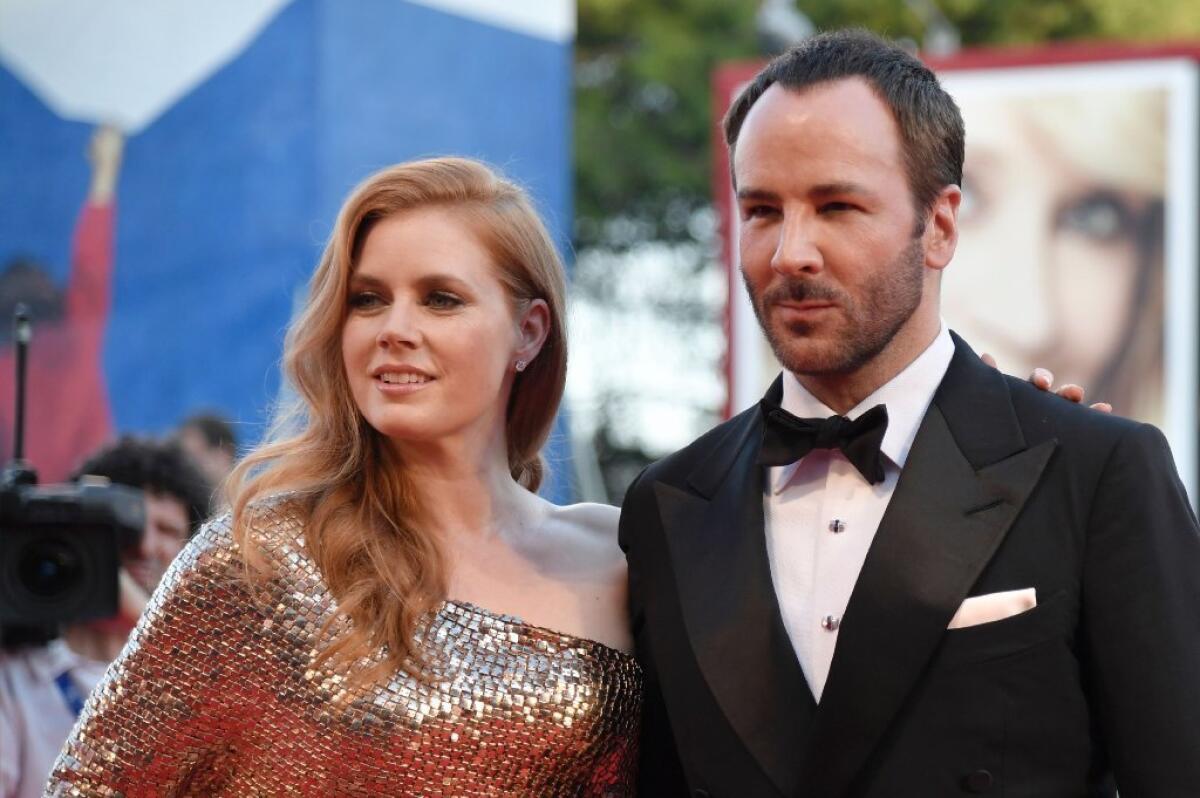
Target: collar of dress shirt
x: 907, y: 396
x: 44, y: 663
x: 47, y: 662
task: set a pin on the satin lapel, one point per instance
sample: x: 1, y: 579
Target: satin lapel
x: 944, y: 522
x: 718, y: 551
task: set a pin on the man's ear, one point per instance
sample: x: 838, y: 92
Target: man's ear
x: 532, y: 328
x: 941, y: 229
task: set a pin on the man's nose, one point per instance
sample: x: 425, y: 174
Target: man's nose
x: 797, y: 251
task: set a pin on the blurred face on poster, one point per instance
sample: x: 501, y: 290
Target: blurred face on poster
x: 1059, y: 260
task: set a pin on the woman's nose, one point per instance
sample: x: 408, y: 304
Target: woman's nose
x: 398, y: 327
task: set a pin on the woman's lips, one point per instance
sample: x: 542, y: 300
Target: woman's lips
x: 400, y: 384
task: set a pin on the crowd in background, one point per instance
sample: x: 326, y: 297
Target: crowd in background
x: 45, y: 677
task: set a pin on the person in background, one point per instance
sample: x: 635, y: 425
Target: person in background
x: 68, y: 333
x: 42, y: 687
x: 210, y: 440
x: 177, y: 498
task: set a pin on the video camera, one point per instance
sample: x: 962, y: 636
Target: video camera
x: 60, y: 545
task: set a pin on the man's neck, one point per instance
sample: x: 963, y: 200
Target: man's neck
x: 843, y: 392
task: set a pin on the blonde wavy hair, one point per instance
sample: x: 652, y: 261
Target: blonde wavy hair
x: 360, y: 510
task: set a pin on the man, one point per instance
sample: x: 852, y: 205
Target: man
x: 42, y: 688
x: 208, y: 438
x: 177, y: 497
x: 975, y: 589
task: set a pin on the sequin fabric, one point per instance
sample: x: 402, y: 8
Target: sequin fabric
x: 217, y: 694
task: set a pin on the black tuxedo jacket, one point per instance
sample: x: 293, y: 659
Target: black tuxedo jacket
x: 1005, y: 488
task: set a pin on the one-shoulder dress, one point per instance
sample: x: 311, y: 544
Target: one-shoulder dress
x: 217, y: 694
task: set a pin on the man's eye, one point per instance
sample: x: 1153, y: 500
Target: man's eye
x: 363, y: 300
x: 442, y: 300
x: 836, y: 207
x: 757, y: 211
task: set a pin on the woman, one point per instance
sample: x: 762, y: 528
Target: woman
x: 390, y: 608
x: 1060, y: 255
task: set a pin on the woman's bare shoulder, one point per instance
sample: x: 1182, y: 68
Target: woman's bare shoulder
x: 588, y: 518
x: 585, y: 539
x: 580, y: 538
x: 588, y: 525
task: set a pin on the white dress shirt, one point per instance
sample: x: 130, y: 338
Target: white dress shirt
x: 35, y: 715
x: 821, y: 514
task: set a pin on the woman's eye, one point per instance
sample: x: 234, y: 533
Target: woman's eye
x: 363, y: 300
x: 1100, y: 216
x: 442, y: 300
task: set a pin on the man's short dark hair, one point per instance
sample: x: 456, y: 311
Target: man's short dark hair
x: 931, y: 127
x: 215, y: 429
x: 160, y: 467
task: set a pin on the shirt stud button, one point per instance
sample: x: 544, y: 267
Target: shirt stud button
x: 837, y: 525
x: 830, y: 623
x: 979, y: 781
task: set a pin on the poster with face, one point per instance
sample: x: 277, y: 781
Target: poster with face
x: 1077, y: 231
x: 1077, y: 244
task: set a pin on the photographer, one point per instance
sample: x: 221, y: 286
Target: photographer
x: 42, y: 687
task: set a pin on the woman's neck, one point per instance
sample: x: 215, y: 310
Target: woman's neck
x: 466, y: 493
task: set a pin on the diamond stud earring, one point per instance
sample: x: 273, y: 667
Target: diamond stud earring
x: 521, y: 364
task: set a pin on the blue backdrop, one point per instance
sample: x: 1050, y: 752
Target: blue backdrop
x: 224, y: 201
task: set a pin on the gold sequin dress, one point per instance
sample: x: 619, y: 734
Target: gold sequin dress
x: 216, y: 694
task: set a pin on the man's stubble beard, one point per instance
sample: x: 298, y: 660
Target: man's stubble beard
x: 889, y: 300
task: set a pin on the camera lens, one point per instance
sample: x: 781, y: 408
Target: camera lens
x: 48, y: 568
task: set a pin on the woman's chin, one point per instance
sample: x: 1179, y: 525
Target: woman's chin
x: 406, y: 434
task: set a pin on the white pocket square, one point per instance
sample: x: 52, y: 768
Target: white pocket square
x: 993, y: 607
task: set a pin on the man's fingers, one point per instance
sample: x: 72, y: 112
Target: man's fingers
x: 1103, y: 407
x: 988, y: 359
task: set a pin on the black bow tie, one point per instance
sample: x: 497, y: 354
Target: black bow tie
x: 787, y: 438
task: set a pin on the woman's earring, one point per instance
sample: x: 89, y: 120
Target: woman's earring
x: 521, y: 364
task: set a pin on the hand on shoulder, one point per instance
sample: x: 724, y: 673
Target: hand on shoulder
x: 1043, y: 379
